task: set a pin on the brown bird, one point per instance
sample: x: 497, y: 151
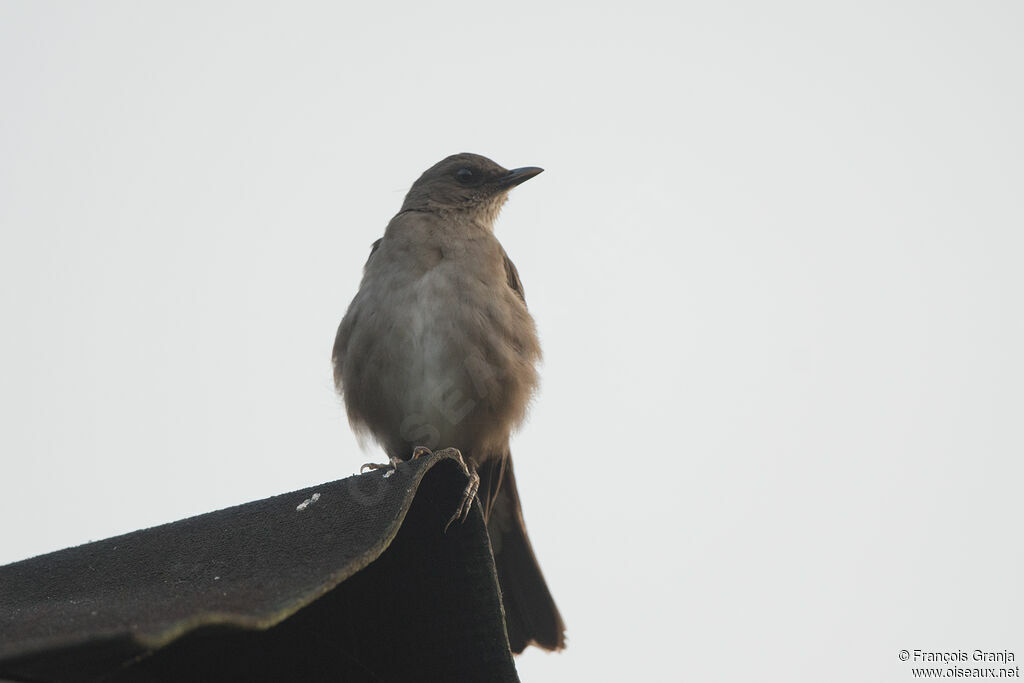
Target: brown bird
x: 438, y: 349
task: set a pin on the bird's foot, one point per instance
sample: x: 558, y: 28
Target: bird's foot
x: 468, y: 494
x: 391, y: 466
x: 420, y: 451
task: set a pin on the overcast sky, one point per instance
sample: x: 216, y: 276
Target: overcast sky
x: 775, y: 262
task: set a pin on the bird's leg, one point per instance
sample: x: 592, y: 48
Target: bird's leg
x: 391, y: 466
x: 468, y: 494
x: 420, y: 451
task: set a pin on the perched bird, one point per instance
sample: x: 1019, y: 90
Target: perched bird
x: 437, y: 349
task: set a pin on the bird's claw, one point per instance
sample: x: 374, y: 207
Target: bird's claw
x: 468, y: 494
x: 391, y: 466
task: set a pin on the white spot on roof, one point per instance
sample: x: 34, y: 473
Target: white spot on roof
x: 306, y: 503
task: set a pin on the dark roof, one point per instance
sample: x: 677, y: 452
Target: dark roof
x: 358, y: 584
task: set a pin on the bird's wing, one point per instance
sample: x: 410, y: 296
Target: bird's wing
x: 345, y: 330
x: 373, y: 250
x: 512, y: 275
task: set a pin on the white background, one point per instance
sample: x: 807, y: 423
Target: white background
x: 775, y: 261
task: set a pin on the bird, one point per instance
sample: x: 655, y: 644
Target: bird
x: 438, y: 349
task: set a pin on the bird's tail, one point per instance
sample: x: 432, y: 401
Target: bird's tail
x: 530, y: 612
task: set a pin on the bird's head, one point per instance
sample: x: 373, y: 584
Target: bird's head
x: 466, y: 183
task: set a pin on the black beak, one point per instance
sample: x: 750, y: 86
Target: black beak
x: 517, y: 176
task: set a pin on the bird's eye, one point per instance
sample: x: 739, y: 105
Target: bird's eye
x: 465, y: 176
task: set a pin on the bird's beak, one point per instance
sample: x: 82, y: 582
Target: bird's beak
x: 517, y: 176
